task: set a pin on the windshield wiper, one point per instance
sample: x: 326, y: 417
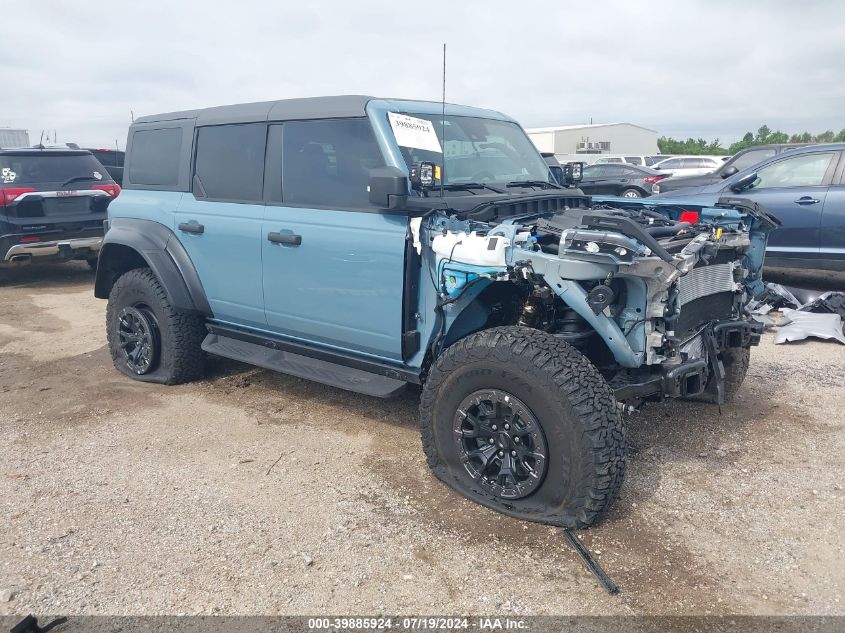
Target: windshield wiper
x: 533, y: 183
x: 75, y: 178
x: 467, y: 186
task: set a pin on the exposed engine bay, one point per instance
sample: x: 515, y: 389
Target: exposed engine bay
x: 651, y: 295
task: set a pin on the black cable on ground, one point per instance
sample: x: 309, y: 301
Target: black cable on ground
x: 30, y: 625
x: 590, y: 563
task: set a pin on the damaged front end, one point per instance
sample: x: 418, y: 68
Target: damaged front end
x: 651, y: 293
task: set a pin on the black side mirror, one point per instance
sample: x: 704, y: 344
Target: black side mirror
x: 727, y: 172
x: 744, y: 183
x: 557, y: 173
x: 388, y: 187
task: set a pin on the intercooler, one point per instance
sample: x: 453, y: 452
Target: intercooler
x: 705, y: 280
x: 706, y: 293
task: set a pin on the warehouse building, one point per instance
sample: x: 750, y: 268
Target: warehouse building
x: 592, y: 139
x: 10, y: 137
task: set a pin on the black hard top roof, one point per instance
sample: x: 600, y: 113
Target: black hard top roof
x: 307, y: 108
x: 47, y: 151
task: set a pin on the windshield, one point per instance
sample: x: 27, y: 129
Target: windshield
x: 49, y: 168
x: 479, y: 150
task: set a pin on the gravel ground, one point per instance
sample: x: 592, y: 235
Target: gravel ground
x: 256, y: 493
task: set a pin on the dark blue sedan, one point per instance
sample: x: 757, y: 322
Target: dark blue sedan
x: 805, y: 189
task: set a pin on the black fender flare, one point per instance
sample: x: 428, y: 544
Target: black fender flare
x: 159, y: 248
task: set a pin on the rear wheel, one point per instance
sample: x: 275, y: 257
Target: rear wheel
x: 519, y: 421
x: 631, y: 193
x: 149, y: 340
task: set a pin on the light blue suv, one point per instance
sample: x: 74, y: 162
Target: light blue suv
x: 370, y: 244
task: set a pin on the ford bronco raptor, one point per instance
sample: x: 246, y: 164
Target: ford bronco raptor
x: 370, y: 244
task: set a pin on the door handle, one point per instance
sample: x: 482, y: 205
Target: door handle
x: 285, y: 238
x: 191, y: 227
x: 807, y: 200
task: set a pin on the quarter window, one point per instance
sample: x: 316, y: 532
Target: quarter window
x: 807, y: 170
x: 328, y: 162
x: 155, y: 157
x: 230, y: 162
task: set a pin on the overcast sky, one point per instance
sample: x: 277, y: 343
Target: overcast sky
x: 711, y: 68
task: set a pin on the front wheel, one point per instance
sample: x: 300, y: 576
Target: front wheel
x: 149, y: 340
x: 519, y: 421
x: 736, y: 361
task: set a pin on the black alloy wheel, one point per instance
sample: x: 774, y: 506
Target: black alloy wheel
x: 501, y: 443
x: 138, y: 337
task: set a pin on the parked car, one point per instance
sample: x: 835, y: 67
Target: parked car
x: 52, y: 205
x: 805, y: 189
x: 631, y: 160
x: 112, y: 160
x: 743, y: 159
x: 641, y: 160
x: 628, y: 181
x: 688, y: 165
x: 332, y: 239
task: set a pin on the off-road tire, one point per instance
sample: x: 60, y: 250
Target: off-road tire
x: 576, y: 409
x: 735, y: 361
x: 179, y: 357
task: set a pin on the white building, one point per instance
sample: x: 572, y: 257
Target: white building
x: 598, y: 138
x: 13, y: 138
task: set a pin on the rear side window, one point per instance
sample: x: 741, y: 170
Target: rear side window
x: 328, y: 162
x: 155, y: 157
x: 230, y: 161
x: 672, y: 163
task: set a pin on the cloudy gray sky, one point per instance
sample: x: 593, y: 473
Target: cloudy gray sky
x: 710, y: 68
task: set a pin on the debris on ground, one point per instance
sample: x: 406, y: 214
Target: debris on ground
x: 828, y: 303
x: 774, y: 297
x: 798, y: 325
x: 816, y: 315
x: 590, y: 563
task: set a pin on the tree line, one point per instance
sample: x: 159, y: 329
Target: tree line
x: 764, y: 136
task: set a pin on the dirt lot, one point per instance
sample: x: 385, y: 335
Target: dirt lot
x: 251, y: 492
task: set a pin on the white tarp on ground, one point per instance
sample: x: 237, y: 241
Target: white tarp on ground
x: 799, y: 325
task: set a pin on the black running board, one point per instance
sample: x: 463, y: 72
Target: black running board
x: 323, y: 371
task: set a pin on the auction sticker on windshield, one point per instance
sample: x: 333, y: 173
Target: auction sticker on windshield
x: 412, y: 132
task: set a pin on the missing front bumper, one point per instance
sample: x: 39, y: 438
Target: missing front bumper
x: 699, y: 376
